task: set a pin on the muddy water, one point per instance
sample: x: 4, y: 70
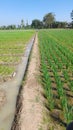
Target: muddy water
x: 11, y: 89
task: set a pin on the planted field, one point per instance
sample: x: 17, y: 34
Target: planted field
x: 65, y: 37
x: 56, y: 54
x: 12, y: 46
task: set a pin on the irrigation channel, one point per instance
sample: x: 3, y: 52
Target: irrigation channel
x: 11, y: 89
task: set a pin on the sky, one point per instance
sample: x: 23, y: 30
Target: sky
x: 12, y: 11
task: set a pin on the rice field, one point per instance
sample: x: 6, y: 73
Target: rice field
x: 56, y: 68
x: 56, y: 55
x: 12, y: 47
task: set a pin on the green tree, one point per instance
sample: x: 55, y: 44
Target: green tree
x: 72, y: 15
x: 27, y: 25
x: 58, y: 24
x: 11, y: 27
x: 22, y: 24
x: 48, y: 20
x: 37, y: 24
x: 72, y: 18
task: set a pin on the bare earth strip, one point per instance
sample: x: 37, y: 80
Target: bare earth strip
x: 31, y: 113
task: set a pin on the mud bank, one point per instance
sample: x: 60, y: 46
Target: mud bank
x: 29, y: 105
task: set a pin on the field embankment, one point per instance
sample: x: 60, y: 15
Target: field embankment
x: 29, y: 116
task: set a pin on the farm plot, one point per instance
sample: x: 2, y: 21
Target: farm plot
x: 64, y: 37
x: 12, y: 46
x: 57, y: 73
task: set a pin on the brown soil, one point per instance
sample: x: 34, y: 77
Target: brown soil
x: 31, y: 112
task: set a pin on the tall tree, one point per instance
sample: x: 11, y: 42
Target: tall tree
x: 48, y: 19
x: 22, y: 24
x: 72, y: 18
x: 37, y: 24
x: 72, y: 15
x: 27, y: 25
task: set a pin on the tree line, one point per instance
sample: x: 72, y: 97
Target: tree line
x: 48, y: 21
x: 12, y: 26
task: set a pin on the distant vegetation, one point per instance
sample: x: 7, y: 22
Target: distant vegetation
x: 48, y: 21
x: 72, y: 18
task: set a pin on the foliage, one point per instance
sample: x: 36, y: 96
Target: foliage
x: 72, y: 15
x: 48, y: 19
x: 37, y: 24
x: 72, y: 18
x: 22, y: 24
x: 57, y: 66
x: 58, y: 24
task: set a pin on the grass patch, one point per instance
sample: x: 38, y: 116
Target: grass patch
x: 12, y: 47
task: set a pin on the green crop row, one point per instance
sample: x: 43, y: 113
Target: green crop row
x: 57, y: 59
x: 62, y: 36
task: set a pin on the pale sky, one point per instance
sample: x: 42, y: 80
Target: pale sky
x: 12, y: 11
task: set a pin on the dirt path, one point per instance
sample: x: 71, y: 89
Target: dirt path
x: 31, y: 114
